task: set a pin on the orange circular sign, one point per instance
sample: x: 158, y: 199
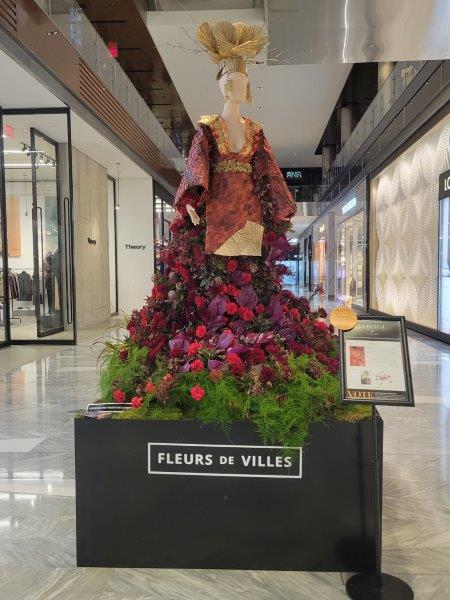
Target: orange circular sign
x: 343, y: 317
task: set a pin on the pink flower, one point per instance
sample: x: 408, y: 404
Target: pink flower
x: 197, y: 365
x: 321, y: 325
x: 232, y: 308
x: 197, y: 393
x: 194, y: 348
x: 136, y: 401
x: 232, y: 265
x: 150, y: 387
x: 200, y: 332
x: 119, y: 396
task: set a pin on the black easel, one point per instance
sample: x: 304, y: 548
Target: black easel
x: 377, y: 585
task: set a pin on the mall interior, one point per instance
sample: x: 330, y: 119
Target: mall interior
x: 99, y: 104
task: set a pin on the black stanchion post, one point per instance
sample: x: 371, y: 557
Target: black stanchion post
x: 377, y: 585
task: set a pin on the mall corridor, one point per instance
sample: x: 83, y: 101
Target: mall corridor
x: 37, y: 506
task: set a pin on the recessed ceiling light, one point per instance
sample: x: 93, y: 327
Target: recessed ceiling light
x: 260, y: 107
x: 52, y: 32
x: 260, y: 87
x: 371, y: 45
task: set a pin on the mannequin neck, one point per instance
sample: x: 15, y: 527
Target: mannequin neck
x: 231, y: 112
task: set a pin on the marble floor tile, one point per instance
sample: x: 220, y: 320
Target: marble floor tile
x: 19, y: 444
x: 38, y: 401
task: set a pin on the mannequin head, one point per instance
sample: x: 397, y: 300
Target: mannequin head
x: 234, y: 87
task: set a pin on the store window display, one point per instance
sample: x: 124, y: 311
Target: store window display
x: 350, y: 216
x: 39, y: 224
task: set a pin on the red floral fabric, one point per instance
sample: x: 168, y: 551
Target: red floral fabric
x: 232, y: 198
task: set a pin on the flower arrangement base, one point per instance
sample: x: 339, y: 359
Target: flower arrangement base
x: 128, y: 517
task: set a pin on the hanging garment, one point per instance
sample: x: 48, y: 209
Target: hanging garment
x: 25, y: 286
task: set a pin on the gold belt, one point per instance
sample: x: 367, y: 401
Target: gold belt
x: 232, y: 166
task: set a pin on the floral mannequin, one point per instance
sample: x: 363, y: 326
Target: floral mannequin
x: 219, y: 303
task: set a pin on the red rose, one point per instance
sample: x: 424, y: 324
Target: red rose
x: 295, y: 314
x: 194, y: 348
x: 246, y: 313
x: 232, y: 308
x: 321, y: 325
x: 259, y: 309
x: 232, y: 290
x: 158, y: 292
x: 233, y: 359
x: 119, y: 396
x: 197, y: 365
x: 199, y: 301
x: 123, y: 354
x: 247, y: 277
x: 197, y: 393
x: 150, y: 387
x: 136, y: 401
x: 200, y: 332
x: 232, y: 265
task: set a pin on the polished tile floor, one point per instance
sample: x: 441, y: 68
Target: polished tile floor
x: 37, y: 508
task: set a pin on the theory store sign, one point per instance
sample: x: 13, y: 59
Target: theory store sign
x: 134, y: 247
x: 225, y: 461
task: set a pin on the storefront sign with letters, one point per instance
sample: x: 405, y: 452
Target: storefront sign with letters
x: 224, y: 461
x: 374, y: 365
x: 444, y: 185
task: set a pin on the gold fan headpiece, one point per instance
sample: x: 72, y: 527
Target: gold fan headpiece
x: 232, y: 45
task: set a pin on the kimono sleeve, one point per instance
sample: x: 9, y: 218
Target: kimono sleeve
x: 270, y: 182
x: 195, y: 180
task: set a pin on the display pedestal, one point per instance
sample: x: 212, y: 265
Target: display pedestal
x: 128, y: 517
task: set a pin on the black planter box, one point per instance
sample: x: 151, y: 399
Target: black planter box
x: 128, y: 517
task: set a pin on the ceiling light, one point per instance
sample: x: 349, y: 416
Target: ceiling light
x: 52, y: 32
x: 371, y: 45
x: 260, y: 107
x: 260, y: 87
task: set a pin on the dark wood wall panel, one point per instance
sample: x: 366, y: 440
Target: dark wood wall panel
x: 110, y: 110
x: 28, y: 23
x: 8, y: 15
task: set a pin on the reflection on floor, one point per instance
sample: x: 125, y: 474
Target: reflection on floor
x: 37, y: 516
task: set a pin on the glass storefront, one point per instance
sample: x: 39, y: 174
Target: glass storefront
x: 350, y: 218
x: 3, y: 269
x: 112, y: 243
x: 410, y: 234
x: 163, y: 213
x: 38, y: 211
x: 350, y: 273
x: 444, y: 265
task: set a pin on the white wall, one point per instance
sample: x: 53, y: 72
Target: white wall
x: 135, y: 228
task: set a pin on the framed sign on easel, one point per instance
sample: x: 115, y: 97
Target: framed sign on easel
x: 375, y: 370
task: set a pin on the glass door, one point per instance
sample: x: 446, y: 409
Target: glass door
x: 4, y: 334
x: 46, y: 220
x: 444, y: 266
